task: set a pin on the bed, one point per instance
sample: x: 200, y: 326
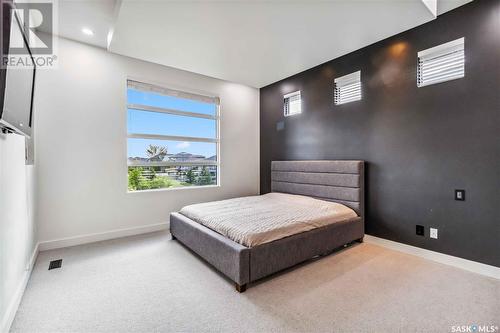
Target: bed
x: 314, y: 208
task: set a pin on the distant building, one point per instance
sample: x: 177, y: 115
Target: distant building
x: 138, y: 159
x: 178, y: 172
x: 185, y: 157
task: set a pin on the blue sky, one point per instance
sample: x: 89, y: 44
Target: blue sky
x: 160, y: 123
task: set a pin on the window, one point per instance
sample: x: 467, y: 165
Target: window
x: 347, y: 88
x: 444, y: 62
x: 172, y: 138
x: 292, y: 104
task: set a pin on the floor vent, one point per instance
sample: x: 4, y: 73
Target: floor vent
x: 55, y: 264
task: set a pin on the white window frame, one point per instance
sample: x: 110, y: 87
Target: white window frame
x: 444, y: 62
x: 287, y: 97
x: 155, y: 88
x: 353, y: 93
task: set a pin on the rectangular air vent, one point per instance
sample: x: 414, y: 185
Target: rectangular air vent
x: 441, y: 63
x: 292, y: 104
x: 347, y: 88
x: 55, y: 264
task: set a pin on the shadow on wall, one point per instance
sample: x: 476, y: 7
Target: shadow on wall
x: 17, y: 227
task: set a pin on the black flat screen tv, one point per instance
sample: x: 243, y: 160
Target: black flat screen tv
x: 17, y: 82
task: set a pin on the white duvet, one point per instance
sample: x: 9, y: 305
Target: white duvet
x: 256, y: 220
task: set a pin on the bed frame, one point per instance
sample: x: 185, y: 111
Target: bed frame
x: 338, y: 181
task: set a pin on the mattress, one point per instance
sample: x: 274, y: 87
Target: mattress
x: 256, y: 220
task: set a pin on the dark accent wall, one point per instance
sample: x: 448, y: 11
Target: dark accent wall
x: 420, y: 144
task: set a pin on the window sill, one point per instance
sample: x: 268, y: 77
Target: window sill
x: 183, y: 188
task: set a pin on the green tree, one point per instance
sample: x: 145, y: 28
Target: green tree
x: 134, y: 178
x: 137, y: 181
x: 205, y: 177
x: 160, y: 182
x: 191, y: 178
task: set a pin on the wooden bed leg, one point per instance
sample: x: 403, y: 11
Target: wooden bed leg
x: 173, y: 237
x: 240, y: 288
x: 360, y: 240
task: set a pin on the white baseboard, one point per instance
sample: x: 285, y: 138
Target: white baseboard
x: 97, y: 237
x: 469, y: 265
x: 10, y: 314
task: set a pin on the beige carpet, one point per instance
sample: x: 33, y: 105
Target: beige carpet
x: 149, y: 283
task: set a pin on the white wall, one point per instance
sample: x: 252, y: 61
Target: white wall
x: 81, y: 143
x: 17, y: 227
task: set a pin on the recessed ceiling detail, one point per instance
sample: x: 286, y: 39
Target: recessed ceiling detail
x: 96, y: 16
x: 251, y: 42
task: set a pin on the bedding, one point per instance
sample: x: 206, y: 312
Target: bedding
x: 256, y: 220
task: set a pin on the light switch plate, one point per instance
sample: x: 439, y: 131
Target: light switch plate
x: 434, y: 233
x: 460, y: 195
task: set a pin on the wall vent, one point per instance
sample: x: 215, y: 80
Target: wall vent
x: 347, y: 88
x: 55, y: 264
x: 441, y: 63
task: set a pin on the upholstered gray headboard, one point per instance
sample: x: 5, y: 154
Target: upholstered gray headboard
x: 338, y: 181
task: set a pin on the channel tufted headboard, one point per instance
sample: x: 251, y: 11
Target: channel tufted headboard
x: 339, y: 181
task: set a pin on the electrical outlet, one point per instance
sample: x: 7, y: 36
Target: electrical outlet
x: 420, y: 230
x: 434, y: 233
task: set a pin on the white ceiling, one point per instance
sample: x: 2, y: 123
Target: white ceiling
x: 96, y: 15
x: 251, y: 42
